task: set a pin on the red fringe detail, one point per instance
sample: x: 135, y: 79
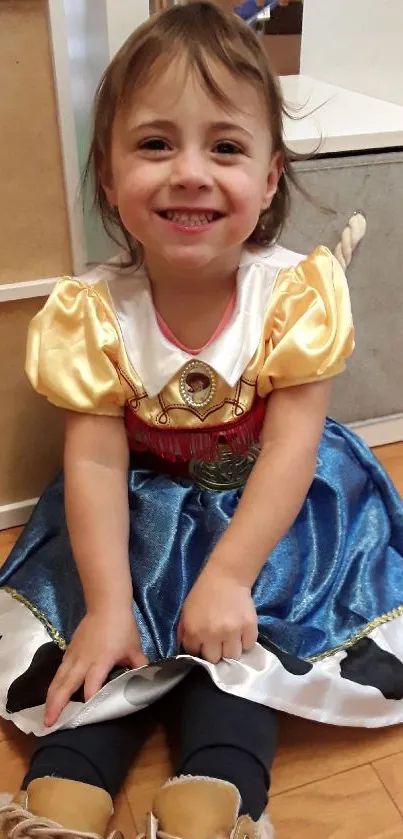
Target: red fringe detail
x: 180, y: 444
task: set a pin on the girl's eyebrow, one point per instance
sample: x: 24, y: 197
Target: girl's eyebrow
x: 230, y: 126
x: 168, y: 125
x: 162, y: 124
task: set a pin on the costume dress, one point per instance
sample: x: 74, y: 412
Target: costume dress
x: 330, y: 597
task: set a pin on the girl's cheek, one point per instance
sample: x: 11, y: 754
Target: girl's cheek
x: 241, y: 186
x: 142, y: 185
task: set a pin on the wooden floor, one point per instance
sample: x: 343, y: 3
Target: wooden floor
x: 328, y: 783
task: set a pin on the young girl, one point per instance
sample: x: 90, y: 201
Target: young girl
x: 228, y: 540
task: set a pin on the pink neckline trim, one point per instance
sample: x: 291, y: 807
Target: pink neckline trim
x: 167, y: 333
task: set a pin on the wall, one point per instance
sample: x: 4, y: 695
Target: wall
x: 34, y: 238
x: 34, y: 234
x: 356, y: 44
x: 31, y: 430
x: 123, y: 17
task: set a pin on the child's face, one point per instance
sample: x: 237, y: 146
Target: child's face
x: 188, y: 176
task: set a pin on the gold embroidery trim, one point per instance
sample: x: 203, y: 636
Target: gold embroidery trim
x: 58, y: 638
x: 54, y: 634
x: 374, y: 624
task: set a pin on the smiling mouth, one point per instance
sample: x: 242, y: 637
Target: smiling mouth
x: 188, y: 218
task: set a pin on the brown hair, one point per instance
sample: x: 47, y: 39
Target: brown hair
x: 200, y: 30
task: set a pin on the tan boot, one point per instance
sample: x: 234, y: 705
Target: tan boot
x: 53, y: 808
x: 202, y: 808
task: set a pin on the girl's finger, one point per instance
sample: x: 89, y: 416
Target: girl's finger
x: 61, y: 679
x: 136, y: 658
x: 232, y: 648
x: 191, y: 644
x: 96, y: 677
x: 212, y: 651
x: 60, y: 691
x: 63, y: 670
x: 180, y: 633
x: 249, y: 637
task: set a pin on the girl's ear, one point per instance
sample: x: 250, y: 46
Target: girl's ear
x: 273, y: 177
x: 107, y: 183
x: 110, y: 193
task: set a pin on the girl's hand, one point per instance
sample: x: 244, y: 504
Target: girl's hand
x: 101, y: 641
x: 218, y: 618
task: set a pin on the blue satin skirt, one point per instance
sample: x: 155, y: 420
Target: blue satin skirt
x: 333, y: 581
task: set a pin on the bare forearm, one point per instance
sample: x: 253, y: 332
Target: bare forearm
x: 98, y: 523
x: 270, y: 504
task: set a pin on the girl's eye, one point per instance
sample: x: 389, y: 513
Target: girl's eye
x: 154, y: 144
x: 226, y: 147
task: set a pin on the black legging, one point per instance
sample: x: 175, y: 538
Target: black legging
x: 220, y: 736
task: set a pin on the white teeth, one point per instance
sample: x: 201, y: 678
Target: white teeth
x: 190, y: 219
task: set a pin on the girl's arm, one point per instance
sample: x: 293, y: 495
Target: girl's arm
x: 280, y: 480
x: 96, y: 463
x: 96, y: 459
x: 219, y: 618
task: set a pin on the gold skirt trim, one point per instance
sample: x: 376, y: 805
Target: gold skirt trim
x: 366, y: 630
x: 386, y: 618
x: 54, y: 634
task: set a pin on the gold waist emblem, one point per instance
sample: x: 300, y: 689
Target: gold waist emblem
x: 229, y: 471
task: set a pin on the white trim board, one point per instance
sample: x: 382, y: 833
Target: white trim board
x: 27, y: 289
x: 13, y: 515
x: 65, y: 111
x: 379, y: 432
x: 123, y: 19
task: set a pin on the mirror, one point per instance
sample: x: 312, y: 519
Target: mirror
x: 279, y: 22
x: 160, y: 5
x: 253, y: 11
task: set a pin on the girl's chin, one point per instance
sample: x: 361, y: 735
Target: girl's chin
x: 186, y: 262
x: 192, y: 258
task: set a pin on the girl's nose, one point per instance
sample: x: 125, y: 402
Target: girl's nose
x: 191, y: 170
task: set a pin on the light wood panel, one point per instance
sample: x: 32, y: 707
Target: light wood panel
x: 30, y: 428
x: 34, y: 232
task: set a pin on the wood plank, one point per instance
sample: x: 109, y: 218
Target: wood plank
x: 150, y: 771
x: 123, y: 819
x: 390, y: 772
x: 394, y: 451
x: 14, y: 758
x: 8, y: 537
x: 7, y: 542
x: 332, y: 750
x: 391, y: 458
x: 353, y: 805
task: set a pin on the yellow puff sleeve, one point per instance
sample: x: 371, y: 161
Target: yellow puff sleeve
x: 72, y: 349
x: 309, y: 328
